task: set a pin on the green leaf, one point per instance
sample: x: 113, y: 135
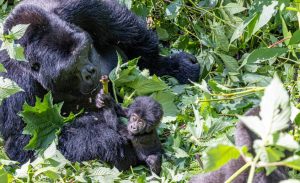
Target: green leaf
x: 275, y: 107
x: 262, y: 54
x: 218, y: 156
x: 19, y: 30
x: 144, y: 85
x: 5, y: 177
x: 272, y: 155
x: 43, y: 122
x: 241, y: 28
x: 103, y: 174
x: 196, y: 129
x: 275, y: 111
x: 180, y: 153
x: 2, y: 68
x: 295, y: 38
x: 234, y: 8
x: 220, y: 37
x: 166, y: 99
x: 285, y: 140
x: 15, y: 51
x: 256, y: 79
x: 290, y: 181
x: 162, y: 33
x: 127, y: 3
x: 292, y: 162
x: 173, y: 9
x: 218, y: 87
x: 285, y: 30
x: 7, y: 88
x: 231, y: 63
x: 265, y: 16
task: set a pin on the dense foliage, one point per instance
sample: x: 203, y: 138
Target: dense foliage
x: 241, y: 45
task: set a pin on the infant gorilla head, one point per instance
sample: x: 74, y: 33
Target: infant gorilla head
x: 144, y: 115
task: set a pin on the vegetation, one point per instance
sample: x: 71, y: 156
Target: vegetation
x: 248, y: 50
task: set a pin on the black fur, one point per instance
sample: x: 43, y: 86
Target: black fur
x: 243, y: 137
x: 146, y: 143
x: 69, y: 45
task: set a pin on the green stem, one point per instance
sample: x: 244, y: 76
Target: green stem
x: 237, y: 173
x: 252, y: 169
x: 298, y: 16
x: 241, y: 92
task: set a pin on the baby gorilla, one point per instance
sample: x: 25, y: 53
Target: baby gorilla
x: 144, y: 115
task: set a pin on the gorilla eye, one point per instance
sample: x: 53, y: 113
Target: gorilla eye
x: 133, y: 118
x: 35, y: 66
x: 140, y: 122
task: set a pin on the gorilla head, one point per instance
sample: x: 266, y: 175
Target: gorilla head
x: 61, y: 56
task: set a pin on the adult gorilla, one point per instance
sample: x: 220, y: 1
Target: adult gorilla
x: 69, y: 45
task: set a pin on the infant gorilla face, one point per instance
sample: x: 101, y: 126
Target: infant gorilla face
x: 136, y: 125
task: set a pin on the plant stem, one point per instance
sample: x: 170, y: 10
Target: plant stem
x: 252, y: 169
x: 237, y: 173
x: 241, y: 92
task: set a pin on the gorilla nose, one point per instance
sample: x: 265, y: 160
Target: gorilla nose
x: 133, y: 127
x: 88, y: 73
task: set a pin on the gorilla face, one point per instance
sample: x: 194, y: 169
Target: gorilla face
x: 61, y: 56
x: 71, y: 68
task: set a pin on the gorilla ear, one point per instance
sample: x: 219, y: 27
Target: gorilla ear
x: 26, y: 14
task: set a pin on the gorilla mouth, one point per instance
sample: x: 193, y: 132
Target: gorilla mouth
x: 92, y: 90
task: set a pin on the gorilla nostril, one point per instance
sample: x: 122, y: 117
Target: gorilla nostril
x: 91, y: 69
x: 88, y: 77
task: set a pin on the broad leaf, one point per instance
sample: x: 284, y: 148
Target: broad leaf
x: 234, y: 8
x: 267, y: 13
x: 293, y: 162
x: 262, y: 54
x: 230, y: 63
x: 19, y: 30
x: 295, y: 38
x: 43, y: 122
x: 7, y: 88
x: 275, y: 107
x: 173, y: 9
x: 284, y: 140
x: 218, y: 156
x: 2, y: 68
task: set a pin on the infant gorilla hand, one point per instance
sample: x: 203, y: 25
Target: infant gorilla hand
x: 104, y: 100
